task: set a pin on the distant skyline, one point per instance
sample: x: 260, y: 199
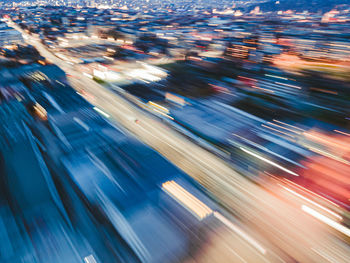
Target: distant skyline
x: 247, y: 5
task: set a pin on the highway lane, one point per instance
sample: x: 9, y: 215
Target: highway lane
x: 269, y: 215
x: 281, y: 223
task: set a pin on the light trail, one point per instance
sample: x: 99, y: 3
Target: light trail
x: 326, y: 220
x: 312, y: 202
x: 268, y: 161
x: 238, y: 231
x: 101, y: 112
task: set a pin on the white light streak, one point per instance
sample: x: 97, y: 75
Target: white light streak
x: 326, y: 220
x: 102, y: 112
x: 314, y: 203
x: 241, y: 233
x: 268, y: 161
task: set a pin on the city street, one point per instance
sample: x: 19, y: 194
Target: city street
x: 271, y: 224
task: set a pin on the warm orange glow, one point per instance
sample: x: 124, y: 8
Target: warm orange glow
x: 190, y: 202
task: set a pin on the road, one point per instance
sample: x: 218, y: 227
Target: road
x: 284, y: 224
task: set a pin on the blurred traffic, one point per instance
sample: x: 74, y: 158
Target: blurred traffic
x: 181, y: 133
